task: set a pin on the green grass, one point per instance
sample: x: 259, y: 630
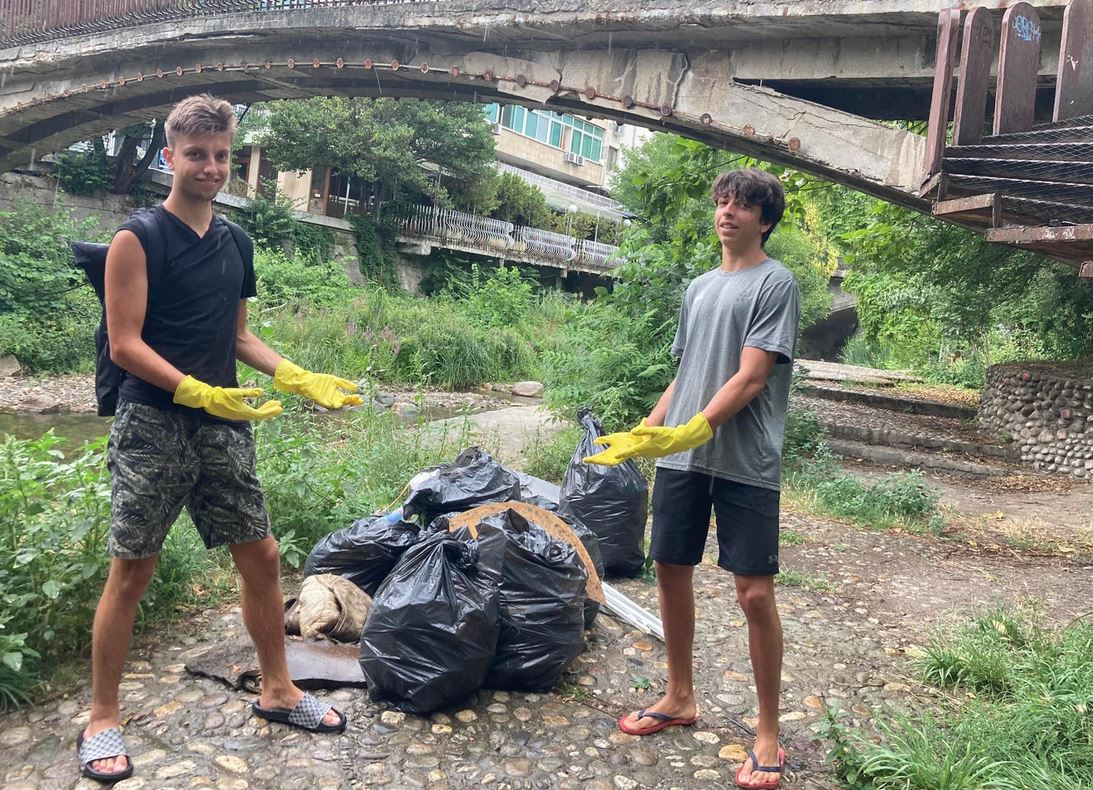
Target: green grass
x: 548, y: 456
x: 794, y: 578
x: 903, y: 500
x: 319, y: 473
x: 1018, y: 715
x: 790, y: 537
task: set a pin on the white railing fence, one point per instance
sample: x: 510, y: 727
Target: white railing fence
x: 494, y: 237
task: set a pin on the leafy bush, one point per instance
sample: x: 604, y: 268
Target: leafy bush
x: 1019, y: 717
x: 269, y: 219
x: 521, y: 203
x: 377, y: 260
x: 82, y: 172
x: 47, y: 312
x: 493, y: 297
x: 294, y: 281
x: 54, y: 525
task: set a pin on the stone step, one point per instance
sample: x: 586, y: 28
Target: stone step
x: 894, y: 403
x: 913, y: 459
x: 888, y: 437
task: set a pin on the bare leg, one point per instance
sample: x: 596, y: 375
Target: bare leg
x: 111, y: 633
x: 677, y: 611
x: 756, y: 597
x: 263, y: 613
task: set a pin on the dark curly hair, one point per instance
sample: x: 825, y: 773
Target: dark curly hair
x: 753, y: 187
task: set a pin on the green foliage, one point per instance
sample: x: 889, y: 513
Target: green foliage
x: 321, y: 473
x: 521, y: 203
x: 295, y: 282
x: 585, y: 226
x: 493, y: 297
x: 269, y: 220
x: 1021, y: 719
x: 82, y: 172
x: 548, y: 457
x: 377, y: 259
x: 54, y: 524
x: 938, y: 299
x: 901, y: 500
x: 372, y: 333
x: 48, y: 314
x: 385, y: 142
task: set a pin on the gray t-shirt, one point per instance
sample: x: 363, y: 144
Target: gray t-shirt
x: 723, y: 312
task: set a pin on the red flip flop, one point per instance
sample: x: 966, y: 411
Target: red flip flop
x: 663, y: 720
x: 770, y: 784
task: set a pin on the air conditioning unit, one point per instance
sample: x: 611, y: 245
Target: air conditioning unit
x: 495, y: 129
x: 574, y: 159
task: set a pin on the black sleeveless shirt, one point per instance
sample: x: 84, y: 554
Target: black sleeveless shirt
x: 193, y: 305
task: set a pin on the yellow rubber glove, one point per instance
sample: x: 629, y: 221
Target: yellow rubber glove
x: 226, y: 402
x: 324, y: 389
x: 662, y: 441
x: 620, y: 447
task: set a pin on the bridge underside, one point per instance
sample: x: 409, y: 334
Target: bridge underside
x: 793, y: 83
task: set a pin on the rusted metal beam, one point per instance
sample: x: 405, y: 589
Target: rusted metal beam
x: 1018, y: 66
x: 976, y: 55
x: 948, y: 26
x: 1074, y: 86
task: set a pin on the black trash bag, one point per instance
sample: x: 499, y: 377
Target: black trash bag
x: 364, y: 552
x: 473, y: 479
x: 592, y: 545
x: 612, y: 501
x: 430, y: 637
x: 588, y: 540
x: 542, y: 601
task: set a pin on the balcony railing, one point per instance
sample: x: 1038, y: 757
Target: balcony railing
x: 504, y: 239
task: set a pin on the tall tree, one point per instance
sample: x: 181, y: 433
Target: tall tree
x: 407, y: 149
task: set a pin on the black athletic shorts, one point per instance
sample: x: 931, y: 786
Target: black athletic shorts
x: 747, y: 522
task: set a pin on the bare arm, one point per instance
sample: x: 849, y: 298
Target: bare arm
x: 249, y: 349
x: 660, y: 411
x: 126, y: 306
x: 736, y: 393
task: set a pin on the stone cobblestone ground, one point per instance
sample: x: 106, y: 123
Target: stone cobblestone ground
x: 859, y: 606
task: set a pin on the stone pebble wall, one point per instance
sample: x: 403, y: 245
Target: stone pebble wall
x: 1046, y: 411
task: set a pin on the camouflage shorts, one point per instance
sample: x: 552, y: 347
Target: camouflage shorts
x: 163, y: 460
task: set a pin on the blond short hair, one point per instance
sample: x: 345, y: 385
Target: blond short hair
x: 200, y: 115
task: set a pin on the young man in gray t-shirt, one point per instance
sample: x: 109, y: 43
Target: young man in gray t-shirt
x: 727, y: 412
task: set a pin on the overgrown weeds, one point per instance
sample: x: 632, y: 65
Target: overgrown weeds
x: 1019, y: 717
x: 319, y: 473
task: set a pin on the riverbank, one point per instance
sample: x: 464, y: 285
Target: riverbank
x: 75, y: 394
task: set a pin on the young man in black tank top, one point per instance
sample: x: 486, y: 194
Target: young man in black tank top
x: 181, y: 436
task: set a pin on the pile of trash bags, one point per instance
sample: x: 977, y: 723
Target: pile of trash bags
x: 485, y: 577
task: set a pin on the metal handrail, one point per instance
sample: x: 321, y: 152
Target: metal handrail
x: 447, y: 226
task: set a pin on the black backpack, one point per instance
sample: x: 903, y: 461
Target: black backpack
x: 91, y: 257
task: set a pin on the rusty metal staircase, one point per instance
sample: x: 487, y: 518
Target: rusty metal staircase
x: 1026, y: 185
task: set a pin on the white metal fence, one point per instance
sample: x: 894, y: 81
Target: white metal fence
x: 495, y: 237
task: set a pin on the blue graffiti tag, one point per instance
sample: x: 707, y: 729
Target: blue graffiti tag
x: 1026, y: 29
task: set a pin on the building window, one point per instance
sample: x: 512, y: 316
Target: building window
x: 586, y: 138
x: 546, y: 127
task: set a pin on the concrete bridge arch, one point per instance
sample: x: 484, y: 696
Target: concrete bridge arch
x: 658, y: 65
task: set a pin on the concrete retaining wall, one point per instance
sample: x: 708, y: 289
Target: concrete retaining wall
x: 1046, y: 409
